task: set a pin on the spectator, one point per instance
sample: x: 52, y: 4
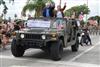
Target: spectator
x: 17, y: 26
x: 5, y: 40
x: 11, y: 26
x: 0, y: 35
x: 86, y: 32
x: 5, y: 34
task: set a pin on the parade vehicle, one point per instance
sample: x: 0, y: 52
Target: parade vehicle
x: 48, y: 34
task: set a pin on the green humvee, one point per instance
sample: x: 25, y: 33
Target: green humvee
x: 50, y: 35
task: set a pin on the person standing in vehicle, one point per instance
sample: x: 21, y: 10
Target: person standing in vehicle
x: 48, y: 11
x: 59, y: 12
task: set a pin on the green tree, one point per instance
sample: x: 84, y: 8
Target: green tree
x: 36, y: 5
x: 2, y: 2
x: 77, y: 10
x: 5, y: 7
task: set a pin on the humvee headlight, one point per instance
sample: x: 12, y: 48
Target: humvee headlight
x: 43, y: 37
x: 22, y: 35
x: 53, y: 35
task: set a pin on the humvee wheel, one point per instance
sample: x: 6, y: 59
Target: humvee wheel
x: 56, y: 50
x: 16, y: 50
x: 75, y: 47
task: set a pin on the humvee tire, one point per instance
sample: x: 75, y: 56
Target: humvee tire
x: 17, y: 50
x: 56, y: 50
x: 75, y: 47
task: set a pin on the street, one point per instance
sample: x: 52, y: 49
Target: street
x: 33, y: 33
x: 87, y: 56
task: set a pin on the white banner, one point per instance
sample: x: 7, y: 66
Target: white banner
x: 38, y: 23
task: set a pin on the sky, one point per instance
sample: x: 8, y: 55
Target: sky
x: 16, y: 8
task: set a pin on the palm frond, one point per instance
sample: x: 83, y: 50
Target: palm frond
x: 36, y: 5
x: 29, y: 7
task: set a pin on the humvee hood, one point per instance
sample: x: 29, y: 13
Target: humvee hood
x: 37, y: 30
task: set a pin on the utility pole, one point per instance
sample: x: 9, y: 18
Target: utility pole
x: 87, y: 6
x: 60, y: 2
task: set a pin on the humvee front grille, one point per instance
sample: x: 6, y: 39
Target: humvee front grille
x: 28, y: 42
x: 32, y: 36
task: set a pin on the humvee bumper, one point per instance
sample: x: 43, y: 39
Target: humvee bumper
x: 33, y: 42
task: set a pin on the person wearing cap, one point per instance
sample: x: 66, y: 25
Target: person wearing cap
x: 17, y: 25
x: 48, y: 11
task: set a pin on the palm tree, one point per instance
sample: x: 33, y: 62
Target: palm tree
x: 5, y: 6
x: 36, y: 5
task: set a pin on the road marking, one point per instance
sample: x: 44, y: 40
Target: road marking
x: 42, y: 61
x: 83, y: 52
x: 60, y: 64
x: 18, y: 66
x: 10, y: 57
x: 74, y: 64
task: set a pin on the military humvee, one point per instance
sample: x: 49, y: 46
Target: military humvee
x: 50, y: 35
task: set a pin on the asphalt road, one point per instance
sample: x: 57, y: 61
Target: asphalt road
x: 87, y: 56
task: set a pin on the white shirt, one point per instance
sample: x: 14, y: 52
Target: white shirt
x: 59, y: 14
x: 78, y: 23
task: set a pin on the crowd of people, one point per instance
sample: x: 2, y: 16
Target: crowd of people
x: 6, y: 29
